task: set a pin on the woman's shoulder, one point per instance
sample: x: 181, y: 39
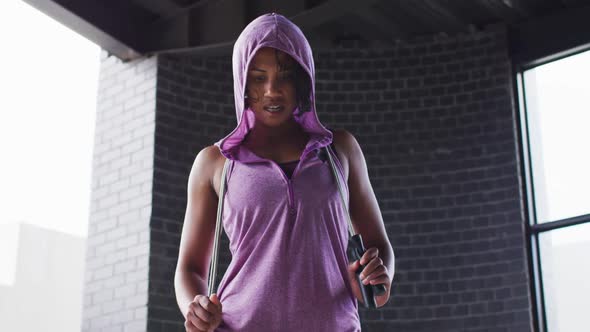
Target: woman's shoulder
x: 212, y: 153
x: 341, y: 139
x: 212, y: 162
x: 344, y: 140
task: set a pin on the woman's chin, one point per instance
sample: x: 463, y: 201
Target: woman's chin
x: 275, y: 120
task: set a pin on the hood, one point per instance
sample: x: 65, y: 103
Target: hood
x: 276, y: 31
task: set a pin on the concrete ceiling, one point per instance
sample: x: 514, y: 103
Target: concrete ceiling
x: 133, y: 28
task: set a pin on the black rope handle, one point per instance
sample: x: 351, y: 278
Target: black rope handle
x: 356, y: 248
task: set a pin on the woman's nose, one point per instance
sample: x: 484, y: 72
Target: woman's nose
x: 272, y: 87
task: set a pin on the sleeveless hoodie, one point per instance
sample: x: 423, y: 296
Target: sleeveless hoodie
x: 288, y: 236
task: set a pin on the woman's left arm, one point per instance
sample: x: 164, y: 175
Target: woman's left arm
x: 378, y: 259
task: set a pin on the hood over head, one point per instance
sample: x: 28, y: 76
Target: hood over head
x: 276, y: 31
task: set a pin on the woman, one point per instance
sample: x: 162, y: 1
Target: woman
x: 282, y: 211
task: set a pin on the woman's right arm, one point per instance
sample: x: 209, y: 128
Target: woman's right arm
x: 196, y: 243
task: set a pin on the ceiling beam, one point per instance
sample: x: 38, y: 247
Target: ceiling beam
x: 520, y: 6
x: 223, y: 48
x: 256, y: 8
x: 327, y: 11
x: 500, y: 10
x: 206, y: 27
x: 116, y: 27
x: 385, y: 28
x: 182, y: 11
x: 573, y: 3
x: 430, y: 16
x: 158, y: 7
x: 166, y: 34
x: 537, y: 41
x: 444, y: 16
x: 196, y: 28
x: 207, y: 36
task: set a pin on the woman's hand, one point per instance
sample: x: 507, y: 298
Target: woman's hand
x: 203, y: 314
x: 374, y: 273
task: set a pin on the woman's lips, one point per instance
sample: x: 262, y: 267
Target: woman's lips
x: 274, y: 109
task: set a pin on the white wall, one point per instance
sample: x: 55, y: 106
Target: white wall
x: 47, y: 290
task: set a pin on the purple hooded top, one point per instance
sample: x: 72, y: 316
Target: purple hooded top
x: 288, y: 235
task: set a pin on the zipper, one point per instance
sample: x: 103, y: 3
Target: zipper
x: 291, y: 198
x: 289, y: 181
x: 291, y: 202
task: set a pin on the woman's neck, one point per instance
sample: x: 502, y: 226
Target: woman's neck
x: 267, y: 137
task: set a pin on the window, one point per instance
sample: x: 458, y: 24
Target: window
x: 555, y: 126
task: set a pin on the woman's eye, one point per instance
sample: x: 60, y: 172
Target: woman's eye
x: 282, y: 77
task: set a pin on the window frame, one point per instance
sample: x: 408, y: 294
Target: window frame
x: 533, y: 229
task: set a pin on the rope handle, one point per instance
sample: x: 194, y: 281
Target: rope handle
x: 356, y: 249
x: 212, y: 282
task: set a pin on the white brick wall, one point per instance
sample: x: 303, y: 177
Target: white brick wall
x: 116, y: 280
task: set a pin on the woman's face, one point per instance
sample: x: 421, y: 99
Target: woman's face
x: 270, y: 86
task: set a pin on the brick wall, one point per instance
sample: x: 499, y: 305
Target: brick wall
x: 116, y: 278
x: 436, y: 122
x: 195, y: 109
x: 435, y: 119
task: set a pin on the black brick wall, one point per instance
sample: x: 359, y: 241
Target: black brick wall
x: 194, y: 109
x: 436, y: 122
x: 435, y: 119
